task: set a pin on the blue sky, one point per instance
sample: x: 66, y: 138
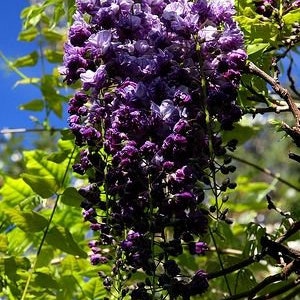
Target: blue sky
x: 12, y: 97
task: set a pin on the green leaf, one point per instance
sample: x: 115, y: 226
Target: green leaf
x: 3, y: 242
x: 53, y: 56
x: 241, y: 133
x: 27, y: 221
x: 45, y: 186
x: 94, y: 289
x: 244, y: 185
x: 74, y: 265
x: 67, y: 135
x: 28, y: 35
x: 48, y: 83
x: 32, y: 15
x: 257, y: 47
x: 15, y: 191
x: 10, y: 268
x: 52, y: 35
x: 62, y: 239
x: 23, y: 262
x: 34, y: 105
x: 56, y: 104
x: 66, y: 147
x: 45, y: 257
x: 51, y: 95
x: 225, y: 236
x: 58, y: 13
x: 20, y: 262
x: 292, y: 17
x: 29, y: 80
x: 71, y: 197
x: 244, y: 281
x: 70, y: 284
x: 45, y: 281
x: 38, y: 165
x: 27, y: 60
x: 18, y: 240
x: 58, y: 157
x: 70, y: 9
x: 43, y: 176
x: 66, y: 144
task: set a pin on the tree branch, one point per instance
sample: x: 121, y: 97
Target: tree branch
x: 282, y: 92
x: 24, y: 130
x: 266, y: 171
x: 271, y: 279
x: 251, y: 293
x: 238, y: 266
x: 290, y: 77
x: 262, y: 110
x: 279, y: 291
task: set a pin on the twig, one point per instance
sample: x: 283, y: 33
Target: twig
x: 282, y: 92
x: 24, y: 130
x: 264, y: 283
x: 267, y: 251
x: 279, y: 291
x: 249, y: 294
x: 266, y: 171
x: 222, y: 272
x: 292, y: 82
x: 292, y: 295
x: 238, y: 266
x: 13, y: 68
x: 294, y: 156
x: 262, y: 110
x: 226, y: 251
x: 293, y: 132
x: 295, y: 227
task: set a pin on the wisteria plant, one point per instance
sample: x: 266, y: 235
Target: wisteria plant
x: 162, y: 206
x: 159, y: 82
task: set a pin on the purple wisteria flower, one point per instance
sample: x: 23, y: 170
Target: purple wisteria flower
x: 151, y: 73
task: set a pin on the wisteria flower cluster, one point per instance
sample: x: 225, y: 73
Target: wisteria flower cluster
x: 157, y: 77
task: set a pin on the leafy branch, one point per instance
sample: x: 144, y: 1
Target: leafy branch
x: 289, y: 258
x: 267, y: 281
x: 294, y: 132
x: 46, y: 231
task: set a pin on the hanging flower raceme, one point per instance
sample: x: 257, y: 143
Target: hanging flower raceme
x: 151, y: 74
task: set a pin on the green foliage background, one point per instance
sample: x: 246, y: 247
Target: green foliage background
x: 43, y: 240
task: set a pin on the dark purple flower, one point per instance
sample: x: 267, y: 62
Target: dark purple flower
x: 93, y: 243
x: 95, y: 226
x: 99, y: 43
x: 94, y: 79
x: 221, y: 11
x: 74, y: 63
x: 265, y: 7
x: 198, y: 247
x: 171, y: 268
x: 89, y: 214
x: 199, y: 283
x: 79, y: 31
x: 97, y: 258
